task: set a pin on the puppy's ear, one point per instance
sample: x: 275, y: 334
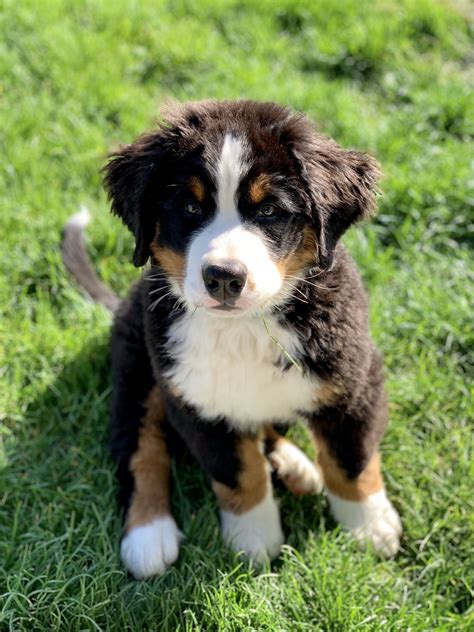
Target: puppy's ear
x: 342, y: 186
x: 354, y: 190
x: 128, y: 179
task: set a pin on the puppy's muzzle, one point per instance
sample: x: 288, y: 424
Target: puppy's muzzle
x: 225, y: 283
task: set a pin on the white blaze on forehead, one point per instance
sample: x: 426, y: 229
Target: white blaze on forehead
x: 227, y: 238
x: 230, y: 169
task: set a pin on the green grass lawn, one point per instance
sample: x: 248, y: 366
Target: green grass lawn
x: 76, y: 78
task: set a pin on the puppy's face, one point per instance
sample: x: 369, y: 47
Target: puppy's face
x: 232, y: 228
x: 233, y: 201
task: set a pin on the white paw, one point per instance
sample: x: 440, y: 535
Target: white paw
x: 294, y: 468
x: 149, y: 549
x: 373, y: 520
x: 256, y: 532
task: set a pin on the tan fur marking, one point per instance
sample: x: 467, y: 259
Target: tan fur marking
x: 174, y: 390
x: 303, y: 257
x: 259, y: 188
x: 197, y: 188
x: 272, y: 436
x: 335, y: 479
x: 252, y: 483
x: 150, y: 466
x: 172, y: 262
x: 328, y: 393
x: 250, y: 285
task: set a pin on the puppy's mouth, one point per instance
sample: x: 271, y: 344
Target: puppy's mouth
x: 226, y: 306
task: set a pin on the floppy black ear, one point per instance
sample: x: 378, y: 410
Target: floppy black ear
x: 354, y: 198
x: 128, y: 177
x: 342, y: 186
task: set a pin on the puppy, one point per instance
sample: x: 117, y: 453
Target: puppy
x: 251, y: 315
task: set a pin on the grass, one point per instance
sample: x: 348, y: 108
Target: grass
x: 76, y: 78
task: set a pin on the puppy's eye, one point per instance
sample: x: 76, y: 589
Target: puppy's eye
x: 267, y: 211
x: 192, y: 209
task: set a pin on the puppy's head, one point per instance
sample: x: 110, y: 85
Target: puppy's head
x: 235, y: 200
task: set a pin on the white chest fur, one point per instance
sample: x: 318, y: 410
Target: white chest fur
x: 229, y: 367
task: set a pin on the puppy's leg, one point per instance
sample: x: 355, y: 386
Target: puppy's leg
x: 137, y: 444
x: 347, y: 443
x: 132, y: 381
x: 151, y: 540
x: 292, y: 466
x: 250, y: 517
x: 360, y: 504
x: 240, y: 476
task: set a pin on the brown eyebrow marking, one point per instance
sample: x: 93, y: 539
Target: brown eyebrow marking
x: 259, y: 188
x: 197, y: 187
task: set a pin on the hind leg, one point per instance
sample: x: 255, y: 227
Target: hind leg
x: 297, y: 472
x: 139, y: 446
x: 151, y: 540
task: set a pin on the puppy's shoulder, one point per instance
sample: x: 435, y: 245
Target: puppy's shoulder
x: 347, y: 278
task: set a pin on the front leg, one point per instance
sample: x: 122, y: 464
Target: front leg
x: 347, y: 440
x: 360, y: 504
x: 250, y: 517
x: 240, y: 475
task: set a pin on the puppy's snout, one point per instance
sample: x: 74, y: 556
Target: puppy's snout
x: 225, y: 282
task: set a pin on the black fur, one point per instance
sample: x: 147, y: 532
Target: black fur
x: 329, y: 189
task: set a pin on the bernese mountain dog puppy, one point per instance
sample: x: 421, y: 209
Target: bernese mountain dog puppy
x: 251, y: 315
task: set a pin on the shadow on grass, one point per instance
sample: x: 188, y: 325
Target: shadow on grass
x: 60, y: 462
x: 61, y: 540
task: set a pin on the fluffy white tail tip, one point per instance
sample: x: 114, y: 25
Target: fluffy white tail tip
x: 80, y: 219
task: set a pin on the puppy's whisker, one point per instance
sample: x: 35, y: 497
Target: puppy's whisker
x: 158, y: 270
x: 164, y: 277
x: 158, y: 300
x: 159, y: 289
x: 300, y: 292
x: 291, y: 286
x: 179, y: 303
x: 275, y: 306
x: 319, y: 287
x: 297, y: 298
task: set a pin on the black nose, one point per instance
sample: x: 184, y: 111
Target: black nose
x: 226, y: 281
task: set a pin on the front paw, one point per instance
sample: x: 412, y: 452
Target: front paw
x: 151, y: 548
x: 373, y: 521
x: 257, y: 532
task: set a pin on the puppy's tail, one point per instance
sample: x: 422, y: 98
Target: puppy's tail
x: 77, y: 261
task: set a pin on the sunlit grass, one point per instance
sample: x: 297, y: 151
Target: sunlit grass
x: 79, y: 77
